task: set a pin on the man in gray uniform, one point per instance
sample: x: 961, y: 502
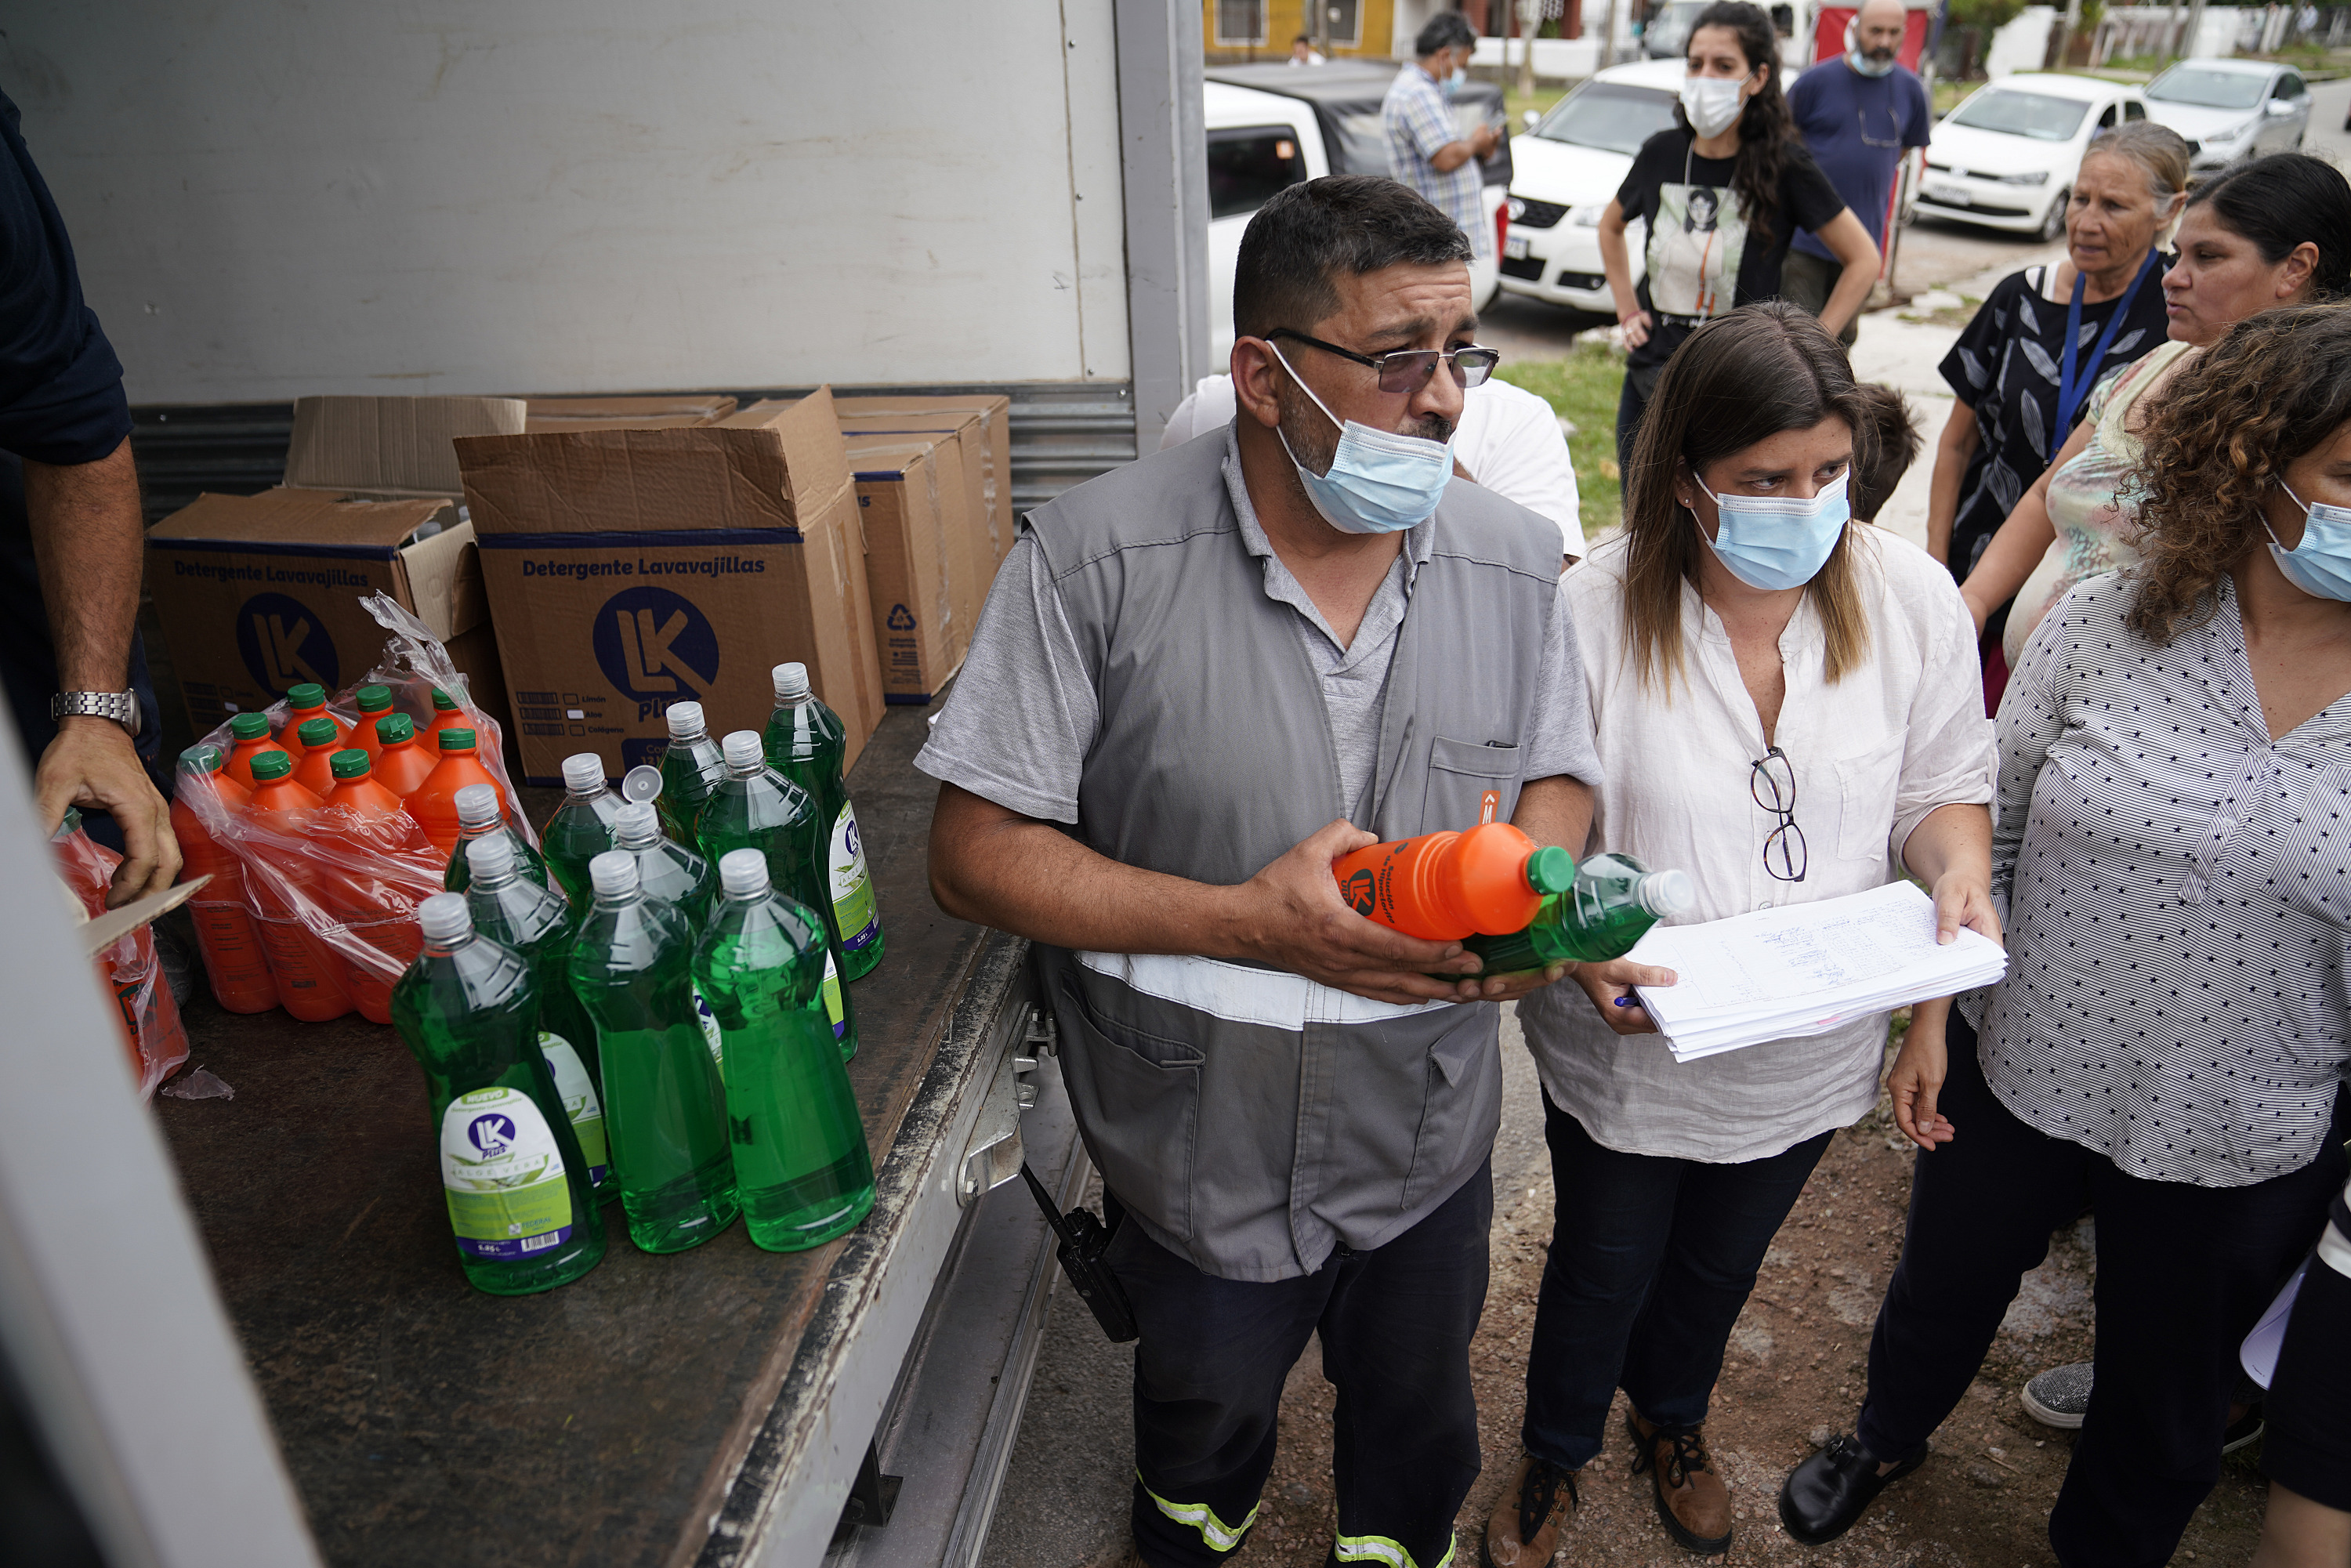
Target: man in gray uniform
x: 1198, y: 681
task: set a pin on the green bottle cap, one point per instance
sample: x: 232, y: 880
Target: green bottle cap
x: 456, y: 740
x: 1550, y: 870
x: 315, y: 731
x: 394, y: 728
x: 374, y: 699
x: 444, y: 701
x: 202, y: 758
x: 249, y: 726
x: 272, y: 765
x: 348, y: 763
x: 309, y: 694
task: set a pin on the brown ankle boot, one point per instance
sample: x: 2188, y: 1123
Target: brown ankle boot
x: 1692, y: 1502
x: 1524, y: 1529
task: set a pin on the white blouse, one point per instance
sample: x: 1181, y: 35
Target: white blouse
x: 1873, y: 755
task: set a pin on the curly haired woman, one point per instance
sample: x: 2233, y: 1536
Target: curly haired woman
x: 2174, y: 851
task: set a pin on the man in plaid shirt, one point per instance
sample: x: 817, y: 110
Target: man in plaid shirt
x: 1425, y: 148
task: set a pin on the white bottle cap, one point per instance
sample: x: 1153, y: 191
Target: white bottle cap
x: 635, y: 825
x: 743, y: 873
x: 614, y: 875
x: 491, y: 860
x: 640, y: 783
x: 743, y: 751
x: 584, y: 774
x: 791, y: 683
x: 1665, y: 893
x: 478, y: 806
x: 443, y: 917
x: 685, y: 721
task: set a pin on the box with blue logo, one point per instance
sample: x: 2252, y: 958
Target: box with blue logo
x: 629, y: 569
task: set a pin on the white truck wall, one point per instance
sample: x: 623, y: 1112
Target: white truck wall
x: 279, y: 197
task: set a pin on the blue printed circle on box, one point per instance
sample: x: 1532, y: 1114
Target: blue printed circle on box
x: 901, y: 619
x: 492, y: 1134
x: 655, y: 646
x: 284, y: 645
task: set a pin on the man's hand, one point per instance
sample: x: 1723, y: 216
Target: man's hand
x: 1610, y: 987
x: 1290, y: 915
x: 93, y: 764
x: 1918, y: 1077
x: 1483, y: 142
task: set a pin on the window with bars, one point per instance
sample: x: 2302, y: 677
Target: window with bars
x: 1346, y: 22
x: 1241, y: 21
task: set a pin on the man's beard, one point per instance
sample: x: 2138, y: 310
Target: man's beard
x: 1878, y: 56
x: 1313, y: 440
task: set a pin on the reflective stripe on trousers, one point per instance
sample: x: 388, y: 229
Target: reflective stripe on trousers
x: 1380, y: 1548
x: 1221, y: 1536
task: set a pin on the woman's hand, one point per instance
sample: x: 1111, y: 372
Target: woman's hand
x: 1637, y: 328
x: 1610, y: 987
x: 1918, y: 1077
x: 1963, y: 898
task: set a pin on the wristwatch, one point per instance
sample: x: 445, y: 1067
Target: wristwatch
x: 122, y: 707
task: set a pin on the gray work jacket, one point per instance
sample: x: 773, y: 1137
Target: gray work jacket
x: 1252, y: 1119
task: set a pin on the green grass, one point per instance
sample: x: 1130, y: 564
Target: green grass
x: 1515, y: 103
x: 1583, y: 387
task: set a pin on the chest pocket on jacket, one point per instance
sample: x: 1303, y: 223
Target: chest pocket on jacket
x: 1868, y: 783
x: 1460, y: 772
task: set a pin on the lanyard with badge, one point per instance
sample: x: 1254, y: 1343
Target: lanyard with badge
x: 2070, y: 386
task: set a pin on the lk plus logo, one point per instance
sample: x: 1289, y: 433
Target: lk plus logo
x: 657, y: 648
x: 493, y: 1134
x: 283, y: 645
x: 1362, y: 893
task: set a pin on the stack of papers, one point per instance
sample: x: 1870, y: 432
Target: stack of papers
x: 1779, y: 974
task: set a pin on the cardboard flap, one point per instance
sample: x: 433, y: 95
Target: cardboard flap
x: 444, y: 581
x: 549, y: 414
x: 391, y: 445
x: 898, y: 455
x: 290, y: 517
x: 810, y: 430
x: 104, y: 931
x: 636, y: 481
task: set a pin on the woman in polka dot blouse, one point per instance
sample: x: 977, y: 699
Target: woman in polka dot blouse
x: 2173, y: 851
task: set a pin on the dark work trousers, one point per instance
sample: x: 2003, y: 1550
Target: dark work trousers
x: 1651, y: 1260
x: 2184, y: 1271
x: 1629, y: 406
x: 1396, y: 1324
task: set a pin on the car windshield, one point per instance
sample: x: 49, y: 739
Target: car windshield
x: 1609, y: 116
x: 1246, y: 168
x: 2206, y: 88
x: 2017, y: 113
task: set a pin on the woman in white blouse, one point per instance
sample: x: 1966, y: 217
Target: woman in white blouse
x: 1786, y: 708
x: 2171, y: 1044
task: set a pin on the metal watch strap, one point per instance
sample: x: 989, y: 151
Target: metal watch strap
x: 122, y: 707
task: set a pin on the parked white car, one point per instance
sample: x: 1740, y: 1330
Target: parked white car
x: 1564, y: 172
x: 2230, y: 109
x: 2006, y: 157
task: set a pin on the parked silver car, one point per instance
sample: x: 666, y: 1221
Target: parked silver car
x: 2231, y: 109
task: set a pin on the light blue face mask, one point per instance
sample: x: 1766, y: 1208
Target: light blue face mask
x: 1379, y: 482
x: 2320, y: 565
x: 1454, y: 83
x: 1778, y: 542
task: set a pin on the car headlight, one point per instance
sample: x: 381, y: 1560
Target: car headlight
x: 1589, y: 216
x: 2039, y: 177
x: 2229, y: 133
x: 1515, y: 207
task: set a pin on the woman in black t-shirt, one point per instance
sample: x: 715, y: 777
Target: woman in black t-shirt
x: 1722, y: 195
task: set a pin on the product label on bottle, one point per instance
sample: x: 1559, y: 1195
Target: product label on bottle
x: 503, y: 1175
x: 710, y: 1035
x: 580, y: 1102
x: 852, y: 890
x: 832, y: 996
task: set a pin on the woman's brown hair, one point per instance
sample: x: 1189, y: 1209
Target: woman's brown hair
x: 1740, y: 379
x: 2274, y: 386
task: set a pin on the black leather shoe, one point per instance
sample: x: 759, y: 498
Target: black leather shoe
x: 1823, y: 1496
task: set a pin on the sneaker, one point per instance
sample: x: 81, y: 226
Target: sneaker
x: 2245, y: 1431
x: 1692, y: 1502
x: 2060, y: 1396
x: 1524, y: 1529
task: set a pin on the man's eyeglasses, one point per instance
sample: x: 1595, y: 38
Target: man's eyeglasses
x: 1772, y: 782
x: 1409, y: 370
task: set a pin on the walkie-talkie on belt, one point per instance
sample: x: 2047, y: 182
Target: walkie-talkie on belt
x: 1083, y: 1241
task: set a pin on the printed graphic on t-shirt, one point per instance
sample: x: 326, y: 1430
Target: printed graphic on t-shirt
x: 1694, y: 250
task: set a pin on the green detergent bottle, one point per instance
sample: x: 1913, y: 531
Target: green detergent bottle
x: 690, y: 769
x: 581, y: 828
x: 806, y: 744
x: 801, y: 1159
x: 1612, y: 904
x: 479, y: 815
x: 513, y: 1174
x: 523, y: 913
x: 757, y: 808
x: 665, y: 1107
x: 678, y: 877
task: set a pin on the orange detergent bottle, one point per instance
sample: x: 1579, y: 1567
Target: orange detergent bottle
x: 226, y: 934
x: 1442, y: 887
x: 366, y: 820
x: 314, y: 763
x: 307, y: 702
x: 434, y: 803
x: 448, y: 713
x: 309, y: 974
x: 248, y: 738
x: 375, y: 704
x: 400, y: 763
x: 359, y: 808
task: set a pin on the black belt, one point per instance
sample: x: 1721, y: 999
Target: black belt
x: 1665, y: 320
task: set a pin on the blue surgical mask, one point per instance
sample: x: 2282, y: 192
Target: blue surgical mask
x: 1779, y: 541
x: 1454, y: 83
x: 1862, y: 64
x: 1379, y: 482
x: 2321, y: 564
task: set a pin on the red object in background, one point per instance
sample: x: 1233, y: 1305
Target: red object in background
x: 1829, y: 24
x: 151, y: 1031
x: 1501, y: 227
x: 226, y: 934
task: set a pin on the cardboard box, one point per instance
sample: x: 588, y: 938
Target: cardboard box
x: 546, y: 416
x: 964, y: 504
x: 382, y: 448
x: 258, y: 593
x: 995, y: 453
x: 901, y: 497
x: 629, y: 569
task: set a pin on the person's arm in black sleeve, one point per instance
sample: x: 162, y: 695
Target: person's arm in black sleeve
x: 64, y: 414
